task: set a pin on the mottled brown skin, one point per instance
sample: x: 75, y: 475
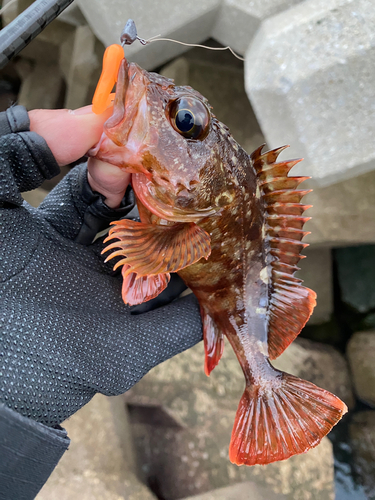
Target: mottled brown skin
x: 214, y: 174
x: 215, y: 184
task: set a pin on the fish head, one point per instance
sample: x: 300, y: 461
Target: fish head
x: 168, y: 137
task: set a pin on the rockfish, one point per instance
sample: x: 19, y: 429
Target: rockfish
x: 230, y: 224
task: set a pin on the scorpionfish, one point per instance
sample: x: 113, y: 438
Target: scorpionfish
x: 230, y: 224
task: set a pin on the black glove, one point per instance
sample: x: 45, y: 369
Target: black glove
x: 65, y: 332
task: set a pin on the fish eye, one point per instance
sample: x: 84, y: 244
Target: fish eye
x: 189, y: 117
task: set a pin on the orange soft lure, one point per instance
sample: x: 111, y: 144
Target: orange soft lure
x: 231, y: 225
x: 112, y: 58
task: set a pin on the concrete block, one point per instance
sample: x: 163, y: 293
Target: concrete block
x: 316, y: 273
x: 362, y: 434
x: 99, y: 464
x: 343, y: 214
x: 56, y: 32
x: 170, y: 18
x: 84, y: 67
x: 73, y: 15
x: 310, y: 78
x: 182, y: 422
x: 238, y: 491
x: 45, y: 48
x: 361, y: 356
x: 356, y: 276
x: 238, y: 20
x: 223, y: 86
x: 42, y: 88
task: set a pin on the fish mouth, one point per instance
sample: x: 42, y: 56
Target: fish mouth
x: 125, y: 141
x: 145, y: 191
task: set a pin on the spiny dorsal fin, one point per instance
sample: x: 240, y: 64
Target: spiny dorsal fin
x: 291, y: 304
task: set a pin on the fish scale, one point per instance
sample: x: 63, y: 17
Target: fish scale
x: 233, y: 231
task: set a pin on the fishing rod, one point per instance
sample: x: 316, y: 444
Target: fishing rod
x: 26, y: 26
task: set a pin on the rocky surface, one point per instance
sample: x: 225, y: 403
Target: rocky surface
x: 361, y: 356
x: 356, y: 276
x: 362, y: 433
x: 169, y: 18
x: 308, y: 68
x: 99, y: 464
x: 42, y: 88
x: 316, y: 273
x: 320, y: 364
x: 309, y: 65
x: 182, y: 422
x: 81, y: 57
x: 238, y: 20
x: 343, y: 214
x: 239, y: 491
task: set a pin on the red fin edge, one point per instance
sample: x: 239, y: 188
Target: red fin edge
x: 290, y: 308
x: 136, y: 290
x: 213, y: 341
x: 286, y: 417
x: 291, y: 304
x: 150, y: 249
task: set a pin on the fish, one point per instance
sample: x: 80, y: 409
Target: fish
x: 231, y: 225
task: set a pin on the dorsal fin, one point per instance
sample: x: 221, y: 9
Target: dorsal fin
x: 291, y: 304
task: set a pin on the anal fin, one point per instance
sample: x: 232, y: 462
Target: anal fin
x: 290, y: 307
x: 285, y: 417
x: 213, y: 340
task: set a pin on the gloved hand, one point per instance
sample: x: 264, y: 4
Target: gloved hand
x: 65, y: 333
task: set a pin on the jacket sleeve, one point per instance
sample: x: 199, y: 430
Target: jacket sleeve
x: 25, y: 159
x: 72, y: 208
x: 29, y: 452
x: 79, y: 213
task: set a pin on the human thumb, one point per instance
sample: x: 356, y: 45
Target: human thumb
x: 69, y: 134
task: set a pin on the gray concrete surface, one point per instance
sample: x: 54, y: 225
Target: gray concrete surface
x: 361, y: 356
x: 241, y: 491
x: 170, y: 18
x: 310, y: 78
x: 182, y: 422
x: 99, y: 464
x: 316, y: 273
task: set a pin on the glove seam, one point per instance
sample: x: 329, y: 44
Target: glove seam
x: 12, y: 119
x: 47, y: 170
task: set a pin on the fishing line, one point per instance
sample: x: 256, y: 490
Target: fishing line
x: 129, y: 35
x: 157, y: 39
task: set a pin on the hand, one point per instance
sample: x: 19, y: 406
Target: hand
x: 65, y: 332
x: 70, y: 134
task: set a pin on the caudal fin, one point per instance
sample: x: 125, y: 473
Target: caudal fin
x: 280, y: 419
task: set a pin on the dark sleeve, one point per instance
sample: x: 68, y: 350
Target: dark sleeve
x: 29, y: 451
x: 25, y: 158
x: 79, y: 213
x: 26, y: 161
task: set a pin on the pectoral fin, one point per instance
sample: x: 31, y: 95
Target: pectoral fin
x: 153, y: 251
x: 139, y: 289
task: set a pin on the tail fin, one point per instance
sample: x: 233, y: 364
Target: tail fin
x: 282, y: 419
